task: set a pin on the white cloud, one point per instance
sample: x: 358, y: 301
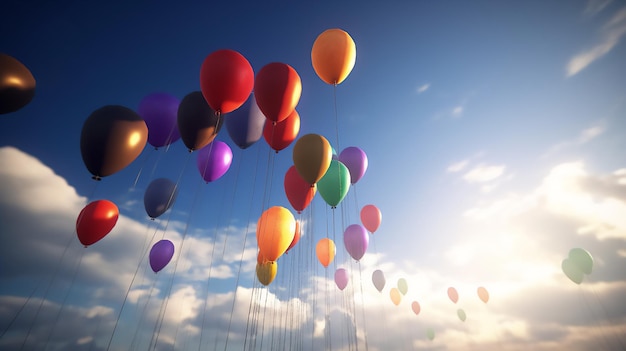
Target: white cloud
x: 484, y: 173
x: 422, y: 88
x: 457, y: 111
x: 584, y: 137
x: 610, y: 36
x: 457, y: 166
x: 596, y: 6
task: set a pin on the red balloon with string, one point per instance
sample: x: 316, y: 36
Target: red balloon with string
x: 298, y: 191
x: 277, y: 89
x: 226, y: 80
x: 281, y: 134
x: 95, y: 221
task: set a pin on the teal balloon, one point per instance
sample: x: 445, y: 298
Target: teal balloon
x: 334, y: 185
x: 572, y: 271
x: 430, y: 333
x: 582, y: 259
x: 461, y: 314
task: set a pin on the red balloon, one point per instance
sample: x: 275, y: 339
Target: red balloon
x: 298, y: 191
x: 226, y: 80
x: 95, y: 221
x: 371, y: 217
x: 281, y: 134
x: 277, y: 90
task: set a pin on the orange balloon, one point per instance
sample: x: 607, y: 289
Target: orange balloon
x: 296, y: 237
x: 453, y: 294
x: 275, y: 231
x: 394, y: 293
x: 325, y: 251
x: 333, y: 55
x: 266, y: 272
x: 483, y: 294
x: 311, y: 157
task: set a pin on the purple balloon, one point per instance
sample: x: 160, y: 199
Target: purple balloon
x: 161, y: 254
x: 356, y: 160
x: 160, y: 112
x: 356, y: 240
x: 245, y: 124
x: 214, y: 160
x: 341, y: 278
x: 378, y: 278
x: 159, y: 197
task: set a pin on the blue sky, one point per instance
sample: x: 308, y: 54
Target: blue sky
x: 494, y: 132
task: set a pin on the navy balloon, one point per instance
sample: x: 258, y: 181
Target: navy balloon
x: 245, y: 125
x: 159, y: 197
x: 161, y: 254
x: 160, y: 112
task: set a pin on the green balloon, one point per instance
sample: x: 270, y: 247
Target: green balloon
x: 335, y: 183
x: 430, y: 333
x: 582, y: 259
x: 402, y: 286
x: 572, y: 271
x: 461, y: 314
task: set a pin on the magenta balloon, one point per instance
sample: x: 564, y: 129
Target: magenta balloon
x: 356, y: 240
x: 356, y: 160
x: 378, y: 278
x: 341, y: 278
x: 161, y: 254
x: 214, y: 160
x: 371, y: 217
x: 160, y: 112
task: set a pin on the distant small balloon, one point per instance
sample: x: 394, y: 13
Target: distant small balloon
x: 453, y: 294
x: 483, y: 294
x: 415, y: 306
x: 430, y: 334
x: 403, y: 286
x: 395, y: 296
x: 461, y: 314
x: 161, y: 254
x: 378, y: 278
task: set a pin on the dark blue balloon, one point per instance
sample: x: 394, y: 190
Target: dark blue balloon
x: 245, y: 125
x: 159, y: 197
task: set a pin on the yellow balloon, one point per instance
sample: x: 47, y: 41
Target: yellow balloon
x: 333, y: 55
x: 266, y: 272
x: 394, y: 293
x: 325, y: 251
x: 312, y: 154
x: 274, y: 232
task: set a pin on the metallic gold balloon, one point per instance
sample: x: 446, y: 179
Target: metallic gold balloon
x: 17, y: 84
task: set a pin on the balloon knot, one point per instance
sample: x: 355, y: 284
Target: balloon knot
x: 152, y: 218
x: 98, y: 178
x: 85, y: 246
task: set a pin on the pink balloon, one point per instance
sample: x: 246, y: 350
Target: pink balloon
x: 214, y: 160
x: 356, y: 160
x: 341, y: 278
x: 371, y: 217
x: 356, y: 240
x: 415, y: 306
x: 453, y: 294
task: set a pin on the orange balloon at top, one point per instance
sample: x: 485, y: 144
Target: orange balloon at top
x: 274, y: 232
x: 333, y: 55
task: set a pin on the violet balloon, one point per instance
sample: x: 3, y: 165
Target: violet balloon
x: 214, y: 160
x: 356, y: 160
x: 245, y: 124
x: 341, y: 278
x: 356, y: 240
x: 161, y: 254
x: 160, y: 112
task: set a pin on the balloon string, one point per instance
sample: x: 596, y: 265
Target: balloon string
x: 353, y: 307
x: 67, y: 293
x: 606, y: 315
x: 47, y: 289
x: 336, y: 115
x: 243, y: 250
x: 144, y: 159
x: 143, y: 312
x: 363, y: 309
x: 171, y: 282
x: 119, y: 314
